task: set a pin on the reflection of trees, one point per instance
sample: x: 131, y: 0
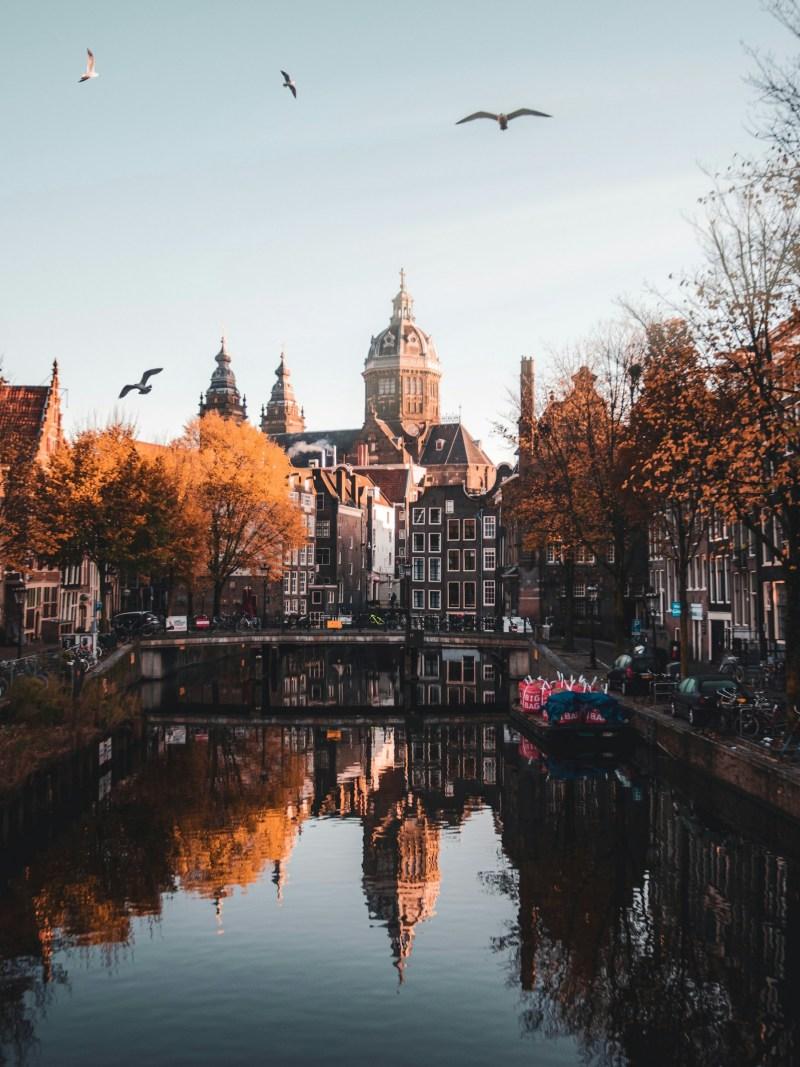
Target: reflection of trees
x: 209, y: 815
x: 678, y: 964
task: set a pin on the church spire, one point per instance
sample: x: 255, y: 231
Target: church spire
x: 403, y: 303
x: 283, y: 414
x: 222, y: 394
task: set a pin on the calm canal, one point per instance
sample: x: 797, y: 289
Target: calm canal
x: 396, y: 890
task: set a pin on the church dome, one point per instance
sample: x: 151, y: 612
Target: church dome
x: 222, y: 394
x: 402, y: 338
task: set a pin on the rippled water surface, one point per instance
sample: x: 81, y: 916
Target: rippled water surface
x: 396, y: 892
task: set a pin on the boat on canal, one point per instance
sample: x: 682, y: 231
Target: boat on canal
x: 571, y: 713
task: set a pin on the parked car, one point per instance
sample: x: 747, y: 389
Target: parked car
x: 201, y: 622
x: 137, y: 623
x: 633, y: 672
x: 697, y: 697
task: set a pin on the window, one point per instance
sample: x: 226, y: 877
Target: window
x: 430, y: 664
x: 303, y: 556
x: 303, y: 583
x: 440, y: 444
x: 488, y: 594
x: 553, y: 552
x: 434, y: 569
x: 453, y: 559
x: 418, y: 516
x: 611, y: 553
x: 435, y: 599
x: 316, y: 596
x: 454, y: 670
x: 418, y: 599
x: 435, y: 542
x: 323, y: 557
x: 489, y: 526
x: 579, y: 589
x: 583, y: 555
x: 331, y: 596
x: 286, y: 584
x: 449, y: 507
x: 469, y: 669
x: 453, y: 530
x: 418, y: 568
x: 434, y: 694
x: 453, y: 595
x: 469, y: 595
x: 323, y: 528
x: 488, y: 672
x: 294, y: 582
x: 489, y: 559
x: 435, y: 516
x: 418, y: 542
x: 320, y: 503
x: 470, y: 559
x: 469, y: 529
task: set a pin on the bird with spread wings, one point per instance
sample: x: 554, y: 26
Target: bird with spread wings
x: 142, y: 386
x: 502, y: 119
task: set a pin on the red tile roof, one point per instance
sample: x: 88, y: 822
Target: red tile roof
x: 22, y: 411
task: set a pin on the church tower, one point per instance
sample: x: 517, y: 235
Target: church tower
x: 401, y: 371
x: 222, y: 395
x: 282, y: 414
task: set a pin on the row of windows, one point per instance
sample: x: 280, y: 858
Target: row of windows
x: 457, y: 560
x: 460, y: 596
x: 457, y: 529
x: 554, y: 553
x: 458, y: 670
x: 295, y: 582
x: 299, y: 557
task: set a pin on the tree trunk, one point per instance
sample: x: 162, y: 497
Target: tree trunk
x: 618, y: 613
x: 569, y: 588
x: 683, y: 600
x: 792, y: 635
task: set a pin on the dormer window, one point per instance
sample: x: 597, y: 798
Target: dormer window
x: 440, y: 444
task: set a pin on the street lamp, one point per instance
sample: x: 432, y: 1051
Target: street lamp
x: 652, y: 596
x: 17, y: 587
x: 591, y: 592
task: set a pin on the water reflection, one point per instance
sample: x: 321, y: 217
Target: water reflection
x: 645, y: 929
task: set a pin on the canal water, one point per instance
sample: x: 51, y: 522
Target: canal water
x: 272, y: 880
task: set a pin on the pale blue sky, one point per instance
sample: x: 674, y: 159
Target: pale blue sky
x: 184, y: 192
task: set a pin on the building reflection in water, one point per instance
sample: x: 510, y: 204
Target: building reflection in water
x: 644, y: 927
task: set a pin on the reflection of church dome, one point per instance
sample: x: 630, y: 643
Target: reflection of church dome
x: 402, y: 877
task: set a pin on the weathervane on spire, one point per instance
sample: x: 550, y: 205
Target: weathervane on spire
x: 402, y: 280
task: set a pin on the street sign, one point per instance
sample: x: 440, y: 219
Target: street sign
x: 696, y: 612
x: 676, y: 609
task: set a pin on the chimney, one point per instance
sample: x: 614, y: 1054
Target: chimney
x: 362, y: 454
x: 527, y: 418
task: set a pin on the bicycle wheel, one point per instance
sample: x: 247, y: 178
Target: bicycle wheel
x: 749, y: 724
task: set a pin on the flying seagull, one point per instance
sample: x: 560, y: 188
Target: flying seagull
x: 504, y: 119
x: 289, y: 84
x: 90, y: 72
x: 142, y: 386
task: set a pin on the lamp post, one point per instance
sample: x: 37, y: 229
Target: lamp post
x: 18, y: 593
x: 652, y: 597
x: 591, y: 592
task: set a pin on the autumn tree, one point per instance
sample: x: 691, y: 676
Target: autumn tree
x: 238, y: 483
x: 99, y: 499
x: 576, y: 487
x: 742, y: 306
x: 676, y: 423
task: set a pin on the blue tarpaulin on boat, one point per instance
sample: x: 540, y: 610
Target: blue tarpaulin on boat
x: 564, y: 701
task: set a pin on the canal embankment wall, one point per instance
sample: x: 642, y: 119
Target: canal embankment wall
x: 731, y: 761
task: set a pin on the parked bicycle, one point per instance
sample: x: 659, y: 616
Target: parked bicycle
x: 248, y: 622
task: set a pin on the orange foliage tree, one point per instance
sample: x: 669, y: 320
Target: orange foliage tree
x: 237, y: 481
x: 743, y: 307
x: 100, y: 499
x: 575, y: 487
x: 676, y: 423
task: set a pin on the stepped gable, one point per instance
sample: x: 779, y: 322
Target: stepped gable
x: 31, y: 415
